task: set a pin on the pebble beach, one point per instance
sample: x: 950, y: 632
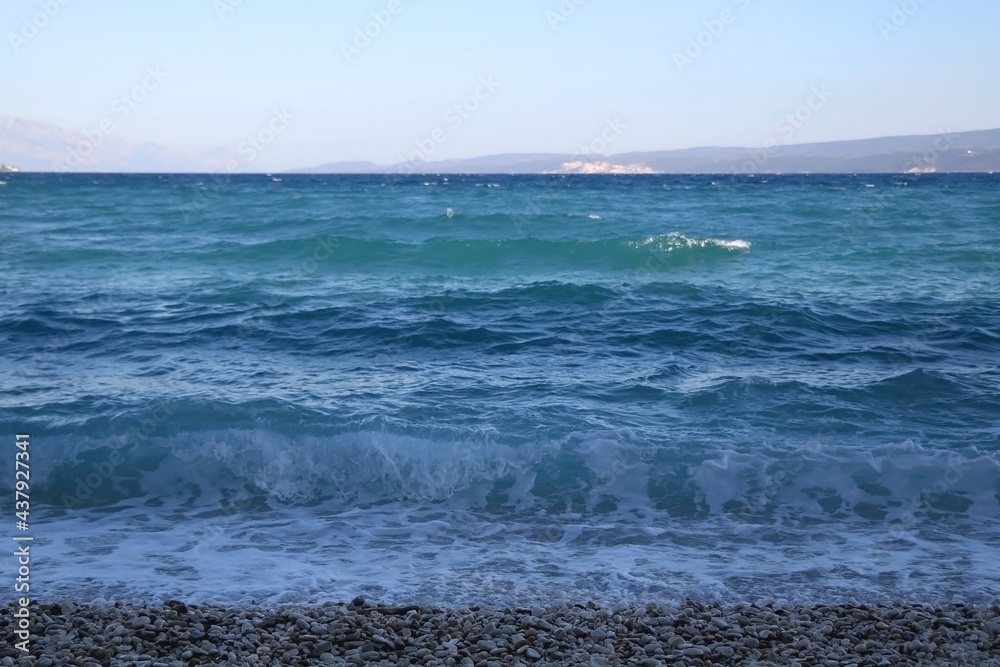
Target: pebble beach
x: 175, y: 634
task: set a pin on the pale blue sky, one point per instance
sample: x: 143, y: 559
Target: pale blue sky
x: 558, y: 84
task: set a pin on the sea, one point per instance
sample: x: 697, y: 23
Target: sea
x: 503, y: 390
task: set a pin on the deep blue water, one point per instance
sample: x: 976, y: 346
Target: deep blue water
x: 505, y: 389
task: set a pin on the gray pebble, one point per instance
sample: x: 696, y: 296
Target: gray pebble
x: 647, y: 635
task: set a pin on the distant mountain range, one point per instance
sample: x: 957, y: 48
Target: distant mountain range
x: 945, y: 152
x: 31, y: 146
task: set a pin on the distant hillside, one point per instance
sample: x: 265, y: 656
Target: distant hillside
x: 41, y: 147
x: 946, y: 152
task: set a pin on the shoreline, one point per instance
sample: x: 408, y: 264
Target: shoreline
x: 360, y: 633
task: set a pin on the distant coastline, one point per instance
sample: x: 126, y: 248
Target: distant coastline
x: 38, y: 147
x: 945, y: 152
x: 8, y: 167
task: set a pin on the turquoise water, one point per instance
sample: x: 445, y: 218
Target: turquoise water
x: 469, y: 388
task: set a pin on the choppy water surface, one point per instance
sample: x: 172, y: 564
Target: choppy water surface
x: 506, y: 389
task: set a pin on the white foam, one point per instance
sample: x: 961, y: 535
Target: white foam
x: 731, y: 245
x: 673, y: 240
x: 413, y: 554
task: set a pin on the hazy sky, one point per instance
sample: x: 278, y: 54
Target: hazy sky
x: 527, y: 75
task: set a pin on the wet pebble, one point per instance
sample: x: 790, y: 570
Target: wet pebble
x: 363, y: 633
